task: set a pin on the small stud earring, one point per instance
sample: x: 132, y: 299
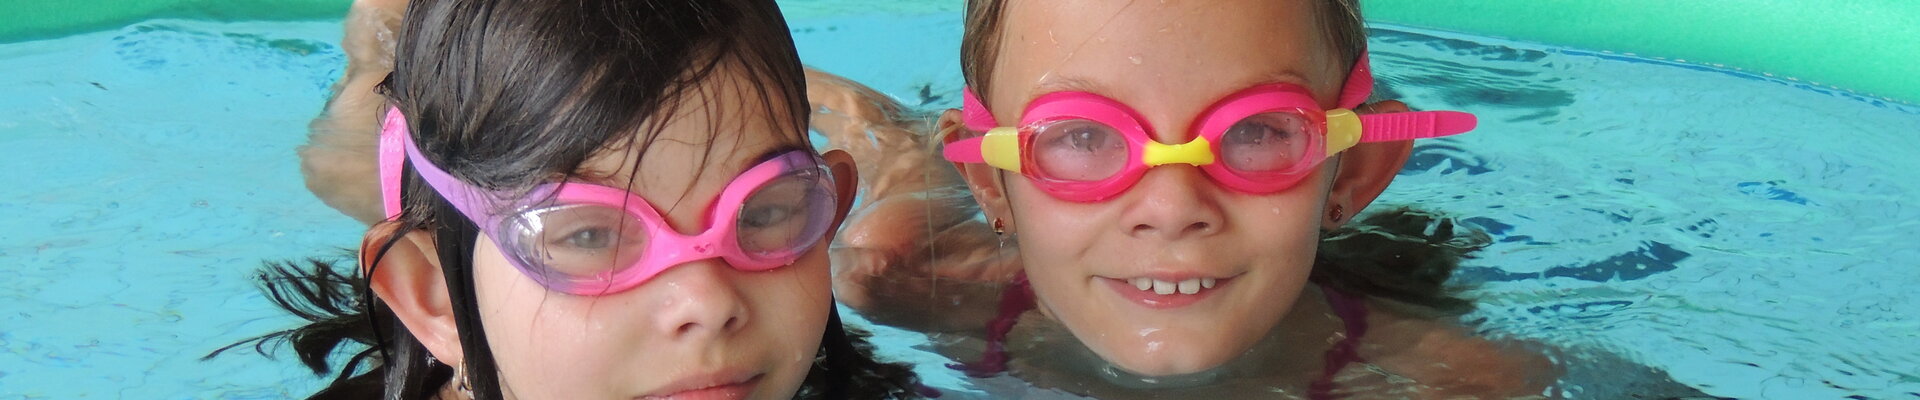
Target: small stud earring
x: 1339, y: 213
x: 999, y: 227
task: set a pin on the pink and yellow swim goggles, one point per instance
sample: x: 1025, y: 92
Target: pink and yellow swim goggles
x: 1083, y: 147
x: 587, y: 239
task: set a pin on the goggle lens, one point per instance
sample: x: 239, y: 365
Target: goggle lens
x: 576, y: 242
x: 1078, y: 150
x: 1268, y: 142
x: 786, y: 216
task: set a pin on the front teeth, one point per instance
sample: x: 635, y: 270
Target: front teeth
x: 1190, y: 286
x: 1163, y: 287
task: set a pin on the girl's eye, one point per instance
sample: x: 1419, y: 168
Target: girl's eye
x: 1078, y: 150
x: 1250, y: 132
x: 765, y: 216
x: 784, y: 216
x: 1265, y: 142
x: 595, y: 238
x: 580, y: 240
x: 1085, y: 138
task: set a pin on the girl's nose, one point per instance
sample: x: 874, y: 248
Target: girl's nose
x: 1172, y: 202
x: 702, y: 302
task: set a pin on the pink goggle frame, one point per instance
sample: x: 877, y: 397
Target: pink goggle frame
x: 1083, y: 147
x: 586, y: 239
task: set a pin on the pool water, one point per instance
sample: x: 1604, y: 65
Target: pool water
x: 1751, y: 236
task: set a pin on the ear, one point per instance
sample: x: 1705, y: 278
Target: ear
x: 846, y: 182
x: 1365, y: 170
x: 408, y: 278
x: 983, y: 180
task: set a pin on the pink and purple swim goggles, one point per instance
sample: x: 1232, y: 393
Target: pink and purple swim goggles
x: 587, y: 239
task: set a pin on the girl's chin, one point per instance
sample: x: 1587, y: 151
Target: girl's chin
x: 1164, y: 369
x: 1142, y: 358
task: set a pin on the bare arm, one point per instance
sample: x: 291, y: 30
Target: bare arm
x: 1452, y: 362
x: 338, y: 160
x: 913, y: 255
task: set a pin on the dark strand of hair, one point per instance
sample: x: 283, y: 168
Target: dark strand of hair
x: 1402, y: 254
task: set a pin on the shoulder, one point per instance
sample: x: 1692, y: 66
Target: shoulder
x: 1450, y: 358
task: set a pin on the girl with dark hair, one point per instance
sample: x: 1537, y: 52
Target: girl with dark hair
x: 591, y: 199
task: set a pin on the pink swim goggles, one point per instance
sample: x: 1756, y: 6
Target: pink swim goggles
x: 586, y: 239
x: 1083, y: 147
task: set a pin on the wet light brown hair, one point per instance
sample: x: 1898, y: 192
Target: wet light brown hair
x: 980, y: 46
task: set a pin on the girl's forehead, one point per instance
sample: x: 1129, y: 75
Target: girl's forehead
x: 1176, y: 56
x: 712, y: 134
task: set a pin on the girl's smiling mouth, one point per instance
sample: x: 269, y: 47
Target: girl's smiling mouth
x: 1166, y: 291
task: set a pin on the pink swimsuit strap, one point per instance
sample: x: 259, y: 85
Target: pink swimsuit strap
x: 1353, y: 313
x: 1015, y: 300
x: 1018, y: 299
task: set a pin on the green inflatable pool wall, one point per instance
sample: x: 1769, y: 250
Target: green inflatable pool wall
x: 41, y: 19
x: 1871, y: 47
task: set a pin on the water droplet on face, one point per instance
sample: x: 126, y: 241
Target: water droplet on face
x: 1153, y: 345
x: 1134, y: 59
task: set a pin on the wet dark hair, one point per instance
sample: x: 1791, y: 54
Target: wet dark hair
x: 1402, y: 254
x: 505, y: 95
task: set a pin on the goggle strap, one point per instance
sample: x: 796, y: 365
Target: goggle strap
x: 964, y: 151
x: 1359, y: 83
x: 1000, y: 148
x: 462, y: 196
x: 392, y: 154
x: 974, y: 112
x: 1414, y: 125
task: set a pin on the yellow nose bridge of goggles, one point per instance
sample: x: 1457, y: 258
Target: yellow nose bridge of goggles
x: 1197, y: 153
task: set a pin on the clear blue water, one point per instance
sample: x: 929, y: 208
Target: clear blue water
x: 1752, y: 236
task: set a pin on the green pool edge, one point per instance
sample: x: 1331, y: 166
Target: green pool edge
x: 1868, y: 47
x: 24, y: 20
